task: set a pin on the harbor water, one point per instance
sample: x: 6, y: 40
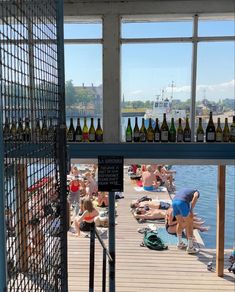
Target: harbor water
x: 204, y: 178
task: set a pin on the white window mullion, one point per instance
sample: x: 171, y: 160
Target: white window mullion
x: 111, y: 78
x: 194, y: 77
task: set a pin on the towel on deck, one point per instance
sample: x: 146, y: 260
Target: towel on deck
x: 159, y: 189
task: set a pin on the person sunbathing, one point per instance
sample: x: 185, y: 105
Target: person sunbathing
x: 151, y: 204
x: 171, y: 223
x: 151, y: 214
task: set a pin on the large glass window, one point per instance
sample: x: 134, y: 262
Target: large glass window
x: 83, y: 73
x: 155, y: 77
x: 215, y: 81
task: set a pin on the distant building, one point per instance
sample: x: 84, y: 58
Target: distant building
x: 95, y: 107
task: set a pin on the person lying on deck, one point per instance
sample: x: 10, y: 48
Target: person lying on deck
x: 149, y: 179
x: 151, y: 204
x: 151, y: 214
x: 171, y: 223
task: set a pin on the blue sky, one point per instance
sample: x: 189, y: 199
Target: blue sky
x: 147, y: 69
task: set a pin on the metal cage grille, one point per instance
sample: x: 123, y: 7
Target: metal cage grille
x: 31, y: 99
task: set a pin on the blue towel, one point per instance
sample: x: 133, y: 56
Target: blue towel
x: 169, y: 239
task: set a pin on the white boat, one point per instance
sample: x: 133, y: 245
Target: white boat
x: 164, y: 105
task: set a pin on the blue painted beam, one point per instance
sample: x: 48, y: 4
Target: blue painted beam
x: 218, y: 151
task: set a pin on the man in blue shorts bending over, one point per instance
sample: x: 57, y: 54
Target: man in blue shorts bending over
x: 183, y: 204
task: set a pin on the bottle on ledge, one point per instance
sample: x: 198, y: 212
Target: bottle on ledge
x: 6, y: 130
x: 20, y: 130
x: 129, y: 131
x: 71, y: 131
x: 200, y: 132
x: 210, y: 130
x: 172, y: 131
x: 13, y: 131
x: 150, y: 132
x: 92, y: 131
x: 51, y: 131
x: 232, y: 130
x: 44, y: 129
x: 99, y: 132
x: 27, y: 131
x: 85, y: 132
x: 187, y: 131
x: 164, y: 130
x: 136, y: 134
x: 157, y: 132
x: 38, y: 133
x: 78, y: 132
x: 180, y: 132
x: 218, y: 132
x: 143, y: 132
x: 226, y: 133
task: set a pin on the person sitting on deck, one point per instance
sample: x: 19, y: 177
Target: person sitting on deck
x: 87, y: 219
x: 150, y: 214
x: 171, y: 223
x: 164, y: 178
x: 103, y: 199
x: 183, y: 204
x: 149, y: 179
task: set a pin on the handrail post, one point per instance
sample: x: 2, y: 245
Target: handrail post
x: 92, y: 259
x: 112, y: 241
x: 104, y: 271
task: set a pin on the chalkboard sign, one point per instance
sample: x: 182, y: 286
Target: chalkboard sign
x: 110, y: 173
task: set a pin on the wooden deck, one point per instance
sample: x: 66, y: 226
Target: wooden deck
x: 139, y: 269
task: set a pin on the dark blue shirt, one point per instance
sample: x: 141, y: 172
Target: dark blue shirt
x: 185, y: 194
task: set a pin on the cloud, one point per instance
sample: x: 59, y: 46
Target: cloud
x: 136, y: 92
x: 209, y: 87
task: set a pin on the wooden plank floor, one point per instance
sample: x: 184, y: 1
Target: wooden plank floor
x: 139, y: 269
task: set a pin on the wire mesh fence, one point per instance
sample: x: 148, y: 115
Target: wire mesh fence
x: 31, y: 111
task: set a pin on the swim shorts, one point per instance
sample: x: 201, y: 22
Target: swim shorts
x: 151, y: 188
x: 180, y: 208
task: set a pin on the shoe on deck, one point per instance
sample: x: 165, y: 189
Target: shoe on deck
x: 192, y: 250
x: 181, y: 245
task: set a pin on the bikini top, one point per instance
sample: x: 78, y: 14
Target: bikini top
x: 89, y: 217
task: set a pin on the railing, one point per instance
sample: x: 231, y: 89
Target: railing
x: 94, y: 232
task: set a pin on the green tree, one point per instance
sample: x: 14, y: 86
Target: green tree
x: 85, y: 96
x: 70, y: 93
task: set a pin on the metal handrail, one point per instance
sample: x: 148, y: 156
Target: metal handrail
x: 94, y: 232
x: 103, y: 245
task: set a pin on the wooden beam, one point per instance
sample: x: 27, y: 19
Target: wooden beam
x: 220, y: 221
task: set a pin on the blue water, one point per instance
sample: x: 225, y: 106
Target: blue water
x: 204, y: 178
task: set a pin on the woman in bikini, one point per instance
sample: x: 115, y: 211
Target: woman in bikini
x: 86, y: 220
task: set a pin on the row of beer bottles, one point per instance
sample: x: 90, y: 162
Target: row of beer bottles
x: 164, y: 133
x: 23, y: 132
x: 85, y: 133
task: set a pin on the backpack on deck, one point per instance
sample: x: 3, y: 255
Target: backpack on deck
x: 152, y: 241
